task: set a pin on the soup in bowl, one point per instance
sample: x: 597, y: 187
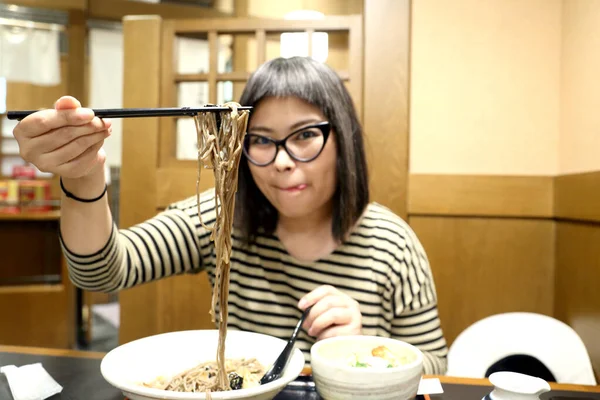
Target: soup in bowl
x: 366, y: 367
x: 181, y: 365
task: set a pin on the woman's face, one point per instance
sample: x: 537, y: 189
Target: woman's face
x: 296, y: 189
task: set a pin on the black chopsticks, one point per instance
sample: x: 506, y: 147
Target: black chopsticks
x: 139, y: 112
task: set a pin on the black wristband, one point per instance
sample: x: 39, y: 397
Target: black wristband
x: 72, y: 196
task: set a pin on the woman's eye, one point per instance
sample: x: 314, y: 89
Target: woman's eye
x: 306, y: 135
x: 259, y: 140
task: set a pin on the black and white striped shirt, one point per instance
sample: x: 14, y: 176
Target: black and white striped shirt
x: 382, y: 265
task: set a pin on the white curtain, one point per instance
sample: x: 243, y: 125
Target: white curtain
x: 30, y: 55
x: 106, y: 84
x: 45, y: 53
x: 14, y: 53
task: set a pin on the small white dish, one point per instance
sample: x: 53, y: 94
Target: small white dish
x: 515, y: 386
x: 168, y: 354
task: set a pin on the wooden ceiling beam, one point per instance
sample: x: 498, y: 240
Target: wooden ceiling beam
x: 51, y: 4
x: 116, y: 9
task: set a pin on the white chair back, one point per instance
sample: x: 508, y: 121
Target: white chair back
x: 551, y: 341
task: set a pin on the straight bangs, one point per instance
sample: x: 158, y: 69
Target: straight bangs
x: 319, y: 85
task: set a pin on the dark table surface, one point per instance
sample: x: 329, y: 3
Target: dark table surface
x: 81, y: 379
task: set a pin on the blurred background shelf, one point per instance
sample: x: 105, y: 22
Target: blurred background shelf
x: 31, y: 216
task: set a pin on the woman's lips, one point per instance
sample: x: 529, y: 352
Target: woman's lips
x: 292, y: 189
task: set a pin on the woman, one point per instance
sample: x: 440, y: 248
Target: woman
x: 305, y: 233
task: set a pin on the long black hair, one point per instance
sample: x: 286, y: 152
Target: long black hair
x: 317, y: 84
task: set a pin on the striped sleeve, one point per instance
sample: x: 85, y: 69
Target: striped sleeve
x: 416, y: 320
x: 422, y: 329
x: 171, y: 243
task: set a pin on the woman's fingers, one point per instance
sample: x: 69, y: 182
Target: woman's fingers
x: 44, y: 121
x: 58, y: 138
x: 72, y: 150
x: 67, y: 102
x: 336, y: 316
x: 322, y: 306
x: 61, y: 145
x: 83, y: 164
x: 32, y: 148
x: 315, y: 295
x: 333, y: 312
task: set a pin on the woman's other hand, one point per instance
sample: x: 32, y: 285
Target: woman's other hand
x: 65, y: 141
x: 333, y: 314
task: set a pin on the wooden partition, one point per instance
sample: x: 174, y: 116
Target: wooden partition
x: 490, y: 241
x: 577, y: 299
x: 504, y: 243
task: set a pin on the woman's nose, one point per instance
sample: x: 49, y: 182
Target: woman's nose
x: 283, y: 161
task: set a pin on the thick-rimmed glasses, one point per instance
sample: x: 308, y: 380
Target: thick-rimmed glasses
x: 302, y: 145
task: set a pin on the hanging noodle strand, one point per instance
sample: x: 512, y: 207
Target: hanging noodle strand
x: 222, y: 154
x: 219, y: 149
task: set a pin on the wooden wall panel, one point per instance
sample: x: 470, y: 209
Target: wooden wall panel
x: 481, y: 195
x: 39, y: 315
x: 577, y: 197
x: 185, y: 303
x: 142, y: 44
x: 386, y: 99
x: 485, y: 266
x: 577, y: 301
x: 578, y: 283
x: 175, y: 184
x: 530, y: 240
x: 77, y: 31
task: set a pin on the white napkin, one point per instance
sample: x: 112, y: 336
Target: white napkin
x: 30, y: 382
x: 430, y: 386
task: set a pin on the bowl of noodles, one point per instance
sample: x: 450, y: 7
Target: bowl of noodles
x: 366, y: 367
x: 182, y: 366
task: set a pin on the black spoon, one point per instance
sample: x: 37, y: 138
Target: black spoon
x: 282, y: 361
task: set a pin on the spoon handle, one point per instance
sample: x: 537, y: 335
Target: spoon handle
x: 299, y: 325
x: 284, y: 358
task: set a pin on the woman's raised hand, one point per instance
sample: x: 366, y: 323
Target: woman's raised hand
x: 65, y: 141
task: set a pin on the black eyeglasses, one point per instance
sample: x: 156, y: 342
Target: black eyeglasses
x: 302, y: 145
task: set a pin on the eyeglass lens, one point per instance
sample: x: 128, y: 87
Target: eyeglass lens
x: 303, y: 146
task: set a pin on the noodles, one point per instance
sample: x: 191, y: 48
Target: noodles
x: 241, y: 373
x: 221, y: 153
x: 219, y: 149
